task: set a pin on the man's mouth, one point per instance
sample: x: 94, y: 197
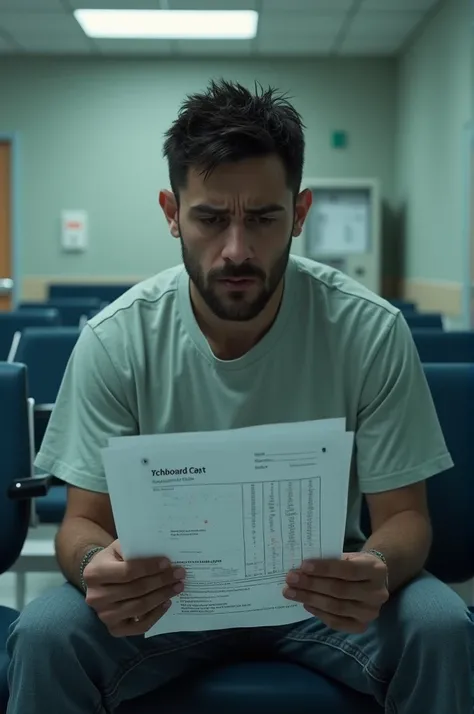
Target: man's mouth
x: 238, y: 282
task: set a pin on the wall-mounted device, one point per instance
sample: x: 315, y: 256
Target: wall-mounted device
x: 343, y: 227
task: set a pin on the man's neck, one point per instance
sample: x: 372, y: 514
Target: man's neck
x: 230, y: 339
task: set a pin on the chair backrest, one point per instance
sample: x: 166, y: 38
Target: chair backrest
x: 404, y: 305
x: 16, y: 321
x: 440, y: 346
x: 71, y: 310
x: 15, y: 454
x: 451, y: 493
x: 419, y: 319
x: 46, y: 351
x: 103, y: 292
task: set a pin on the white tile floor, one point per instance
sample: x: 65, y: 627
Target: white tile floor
x: 37, y: 583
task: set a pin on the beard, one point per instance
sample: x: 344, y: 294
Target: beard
x: 237, y: 307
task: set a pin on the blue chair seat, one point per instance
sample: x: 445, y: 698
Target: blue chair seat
x: 253, y: 688
x: 50, y: 508
x: 7, y: 616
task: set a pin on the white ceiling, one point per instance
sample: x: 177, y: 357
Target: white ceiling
x: 286, y: 28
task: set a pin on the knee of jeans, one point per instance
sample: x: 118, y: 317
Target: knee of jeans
x: 443, y: 622
x: 49, y: 621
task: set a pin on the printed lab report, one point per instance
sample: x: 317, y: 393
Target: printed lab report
x: 237, y: 509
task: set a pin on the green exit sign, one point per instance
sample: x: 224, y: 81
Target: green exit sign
x: 339, y: 139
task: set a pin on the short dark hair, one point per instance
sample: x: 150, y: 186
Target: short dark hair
x: 229, y: 123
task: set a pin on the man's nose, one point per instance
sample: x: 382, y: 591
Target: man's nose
x: 237, y: 245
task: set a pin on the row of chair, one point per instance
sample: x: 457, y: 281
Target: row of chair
x: 75, y: 314
x: 15, y: 322
x: 72, y: 311
x: 86, y: 291
x: 108, y: 292
x: 255, y: 686
x: 67, y: 312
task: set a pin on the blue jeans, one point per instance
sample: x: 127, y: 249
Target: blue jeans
x: 415, y: 659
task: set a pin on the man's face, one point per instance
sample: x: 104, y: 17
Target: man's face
x: 235, y: 228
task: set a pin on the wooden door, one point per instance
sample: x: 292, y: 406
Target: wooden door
x: 470, y: 209
x: 5, y: 226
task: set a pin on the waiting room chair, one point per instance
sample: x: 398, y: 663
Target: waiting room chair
x: 50, y: 505
x: 417, y: 320
x: 71, y: 310
x: 103, y: 292
x: 16, y: 321
x: 15, y: 465
x: 439, y: 346
x: 281, y: 687
x: 451, y: 494
x: 46, y: 352
x: 404, y: 305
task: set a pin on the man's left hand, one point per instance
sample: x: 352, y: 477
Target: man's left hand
x: 345, y: 594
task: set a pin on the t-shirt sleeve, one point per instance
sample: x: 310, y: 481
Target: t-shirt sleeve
x: 398, y: 436
x: 91, y: 407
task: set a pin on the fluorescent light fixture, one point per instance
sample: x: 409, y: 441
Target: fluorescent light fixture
x: 169, y: 24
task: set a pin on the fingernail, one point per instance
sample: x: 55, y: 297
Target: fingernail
x: 290, y: 593
x: 167, y: 605
x: 178, y: 588
x: 293, y: 578
x: 179, y: 573
x: 308, y: 567
x: 164, y: 563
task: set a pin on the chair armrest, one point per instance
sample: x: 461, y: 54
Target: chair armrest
x: 33, y: 487
x: 41, y: 416
x: 44, y: 408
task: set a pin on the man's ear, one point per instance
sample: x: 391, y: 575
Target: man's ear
x: 169, y: 206
x: 303, y: 204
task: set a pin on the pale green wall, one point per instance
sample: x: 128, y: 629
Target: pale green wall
x: 434, y: 109
x: 91, y: 136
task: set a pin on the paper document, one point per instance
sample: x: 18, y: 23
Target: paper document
x: 237, y: 509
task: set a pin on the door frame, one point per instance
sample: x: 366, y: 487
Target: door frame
x: 467, y: 292
x: 15, y: 230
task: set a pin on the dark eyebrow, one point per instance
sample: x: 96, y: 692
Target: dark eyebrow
x: 212, y: 211
x: 270, y: 208
x: 208, y: 210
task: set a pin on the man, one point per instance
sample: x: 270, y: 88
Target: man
x: 244, y: 334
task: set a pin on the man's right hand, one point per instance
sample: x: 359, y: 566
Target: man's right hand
x: 129, y: 596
